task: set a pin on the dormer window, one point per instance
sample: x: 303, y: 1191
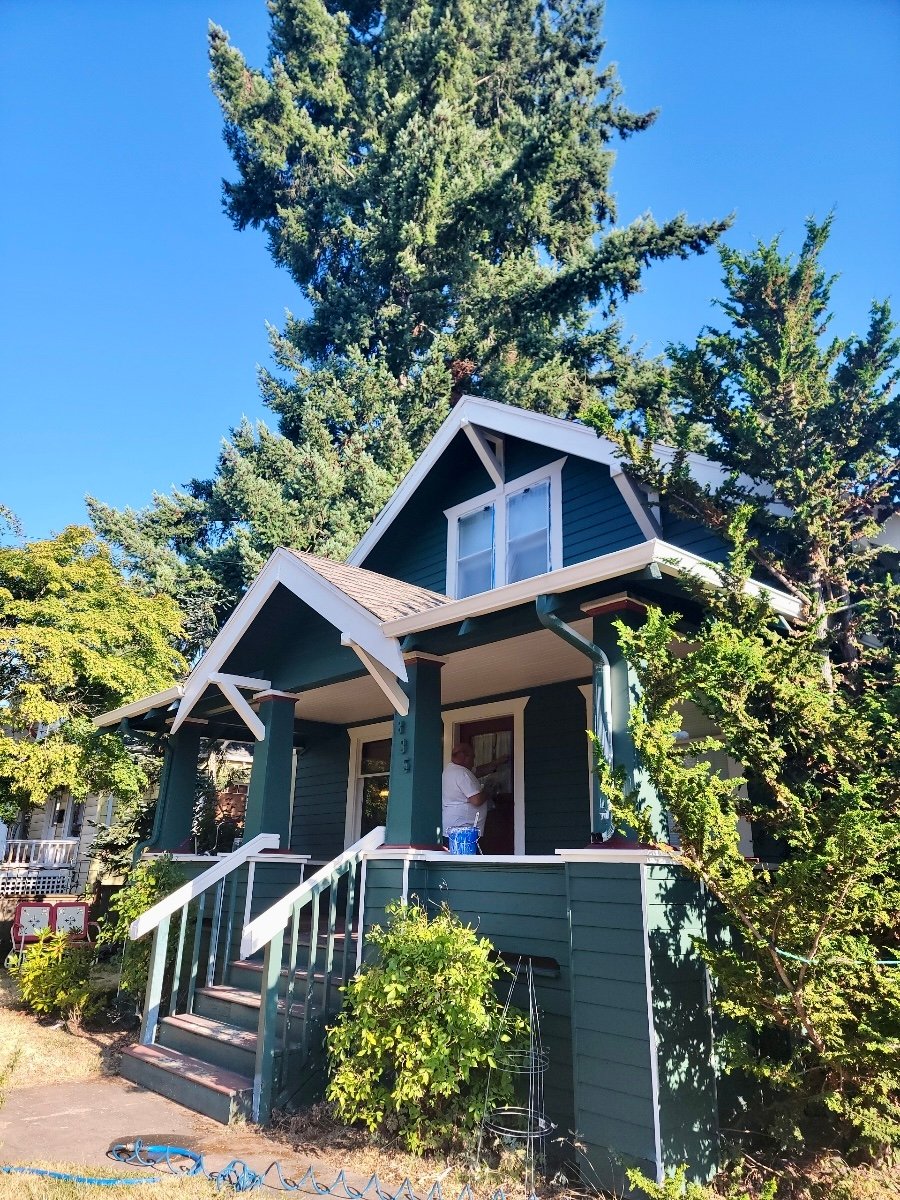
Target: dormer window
x: 511, y: 533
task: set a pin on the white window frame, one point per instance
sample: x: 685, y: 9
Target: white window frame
x: 515, y: 708
x: 359, y: 735
x: 497, y: 497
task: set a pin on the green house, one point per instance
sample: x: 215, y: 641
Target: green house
x: 478, y: 608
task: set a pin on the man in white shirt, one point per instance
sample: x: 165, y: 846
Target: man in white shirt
x: 462, y: 800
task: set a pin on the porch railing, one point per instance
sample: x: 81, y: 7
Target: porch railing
x: 268, y: 933
x: 208, y: 886
x: 41, y: 852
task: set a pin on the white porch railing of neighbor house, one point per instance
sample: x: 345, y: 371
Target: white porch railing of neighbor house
x: 32, y: 866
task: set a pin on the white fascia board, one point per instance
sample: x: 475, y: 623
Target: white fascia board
x: 595, y: 570
x: 622, y: 855
x: 137, y: 708
x: 670, y: 559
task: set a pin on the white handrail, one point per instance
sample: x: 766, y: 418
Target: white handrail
x: 260, y: 931
x: 50, y: 852
x: 221, y: 867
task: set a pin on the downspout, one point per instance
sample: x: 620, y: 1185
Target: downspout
x: 602, y: 827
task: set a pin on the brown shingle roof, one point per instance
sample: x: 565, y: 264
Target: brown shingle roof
x: 386, y: 598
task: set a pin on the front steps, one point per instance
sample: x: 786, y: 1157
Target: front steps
x: 205, y: 1059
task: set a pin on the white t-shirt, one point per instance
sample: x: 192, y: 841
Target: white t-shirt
x: 457, y: 785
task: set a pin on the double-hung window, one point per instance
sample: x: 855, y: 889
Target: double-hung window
x: 511, y: 533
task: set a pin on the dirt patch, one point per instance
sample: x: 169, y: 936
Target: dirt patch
x: 47, y: 1052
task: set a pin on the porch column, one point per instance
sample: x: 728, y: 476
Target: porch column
x: 414, y: 798
x: 177, y: 787
x: 269, y: 798
x: 624, y: 693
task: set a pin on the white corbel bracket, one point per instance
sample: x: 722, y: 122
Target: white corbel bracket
x: 484, y: 452
x: 228, y: 685
x: 382, y: 676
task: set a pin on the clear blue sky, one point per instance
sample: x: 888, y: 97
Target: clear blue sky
x: 132, y: 316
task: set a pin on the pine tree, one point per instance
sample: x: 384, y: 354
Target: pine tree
x: 808, y: 429
x: 436, y: 178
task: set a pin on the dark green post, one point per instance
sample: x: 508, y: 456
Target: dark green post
x: 414, y: 797
x: 624, y: 693
x: 269, y: 798
x: 177, y: 788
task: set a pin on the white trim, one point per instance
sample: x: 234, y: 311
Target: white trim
x: 385, y: 679
x: 651, y: 1028
x: 489, y: 460
x: 598, y: 854
x: 359, y: 735
x: 137, y: 708
x: 514, y: 708
x: 498, y: 498
x: 671, y: 560
x: 473, y: 860
x: 649, y: 527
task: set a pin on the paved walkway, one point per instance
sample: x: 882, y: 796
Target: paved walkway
x: 78, y: 1123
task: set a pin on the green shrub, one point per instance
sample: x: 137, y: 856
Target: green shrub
x: 148, y: 882
x: 678, y: 1187
x: 411, y: 1050
x: 54, y: 975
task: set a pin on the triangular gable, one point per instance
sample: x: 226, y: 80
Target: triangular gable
x: 359, y: 628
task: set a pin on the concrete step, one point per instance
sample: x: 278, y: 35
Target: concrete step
x: 214, y: 1091
x: 214, y: 1042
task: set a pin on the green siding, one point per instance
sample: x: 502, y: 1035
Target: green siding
x: 687, y: 1080
x: 320, y: 795
x: 614, y: 1112
x: 557, y: 785
x: 596, y: 520
x: 694, y: 537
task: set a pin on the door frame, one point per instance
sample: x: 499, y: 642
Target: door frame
x: 515, y: 708
x: 359, y: 735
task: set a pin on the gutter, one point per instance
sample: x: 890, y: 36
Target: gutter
x: 602, y: 827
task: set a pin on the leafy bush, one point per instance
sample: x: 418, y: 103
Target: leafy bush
x: 678, y: 1187
x: 148, y: 882
x: 411, y: 1050
x: 54, y: 975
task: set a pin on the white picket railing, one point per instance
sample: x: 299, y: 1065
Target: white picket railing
x: 41, y: 852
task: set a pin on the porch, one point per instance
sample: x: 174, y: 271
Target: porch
x: 39, y: 866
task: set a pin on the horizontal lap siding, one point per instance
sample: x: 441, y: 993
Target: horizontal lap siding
x: 320, y: 796
x: 694, y: 537
x: 613, y: 1050
x: 687, y: 1084
x: 522, y: 910
x: 557, y: 798
x: 596, y: 520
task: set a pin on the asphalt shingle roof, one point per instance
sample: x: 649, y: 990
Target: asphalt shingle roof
x: 386, y: 598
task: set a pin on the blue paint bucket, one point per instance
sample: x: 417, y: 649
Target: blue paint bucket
x: 463, y: 839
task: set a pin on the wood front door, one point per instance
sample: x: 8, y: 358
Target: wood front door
x: 492, y: 742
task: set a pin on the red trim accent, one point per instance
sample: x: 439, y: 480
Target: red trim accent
x: 628, y: 604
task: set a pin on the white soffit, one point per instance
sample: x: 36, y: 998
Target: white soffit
x: 137, y: 708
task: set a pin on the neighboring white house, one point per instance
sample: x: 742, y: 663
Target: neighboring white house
x: 48, y: 853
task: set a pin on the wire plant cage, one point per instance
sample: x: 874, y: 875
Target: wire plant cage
x: 523, y: 1126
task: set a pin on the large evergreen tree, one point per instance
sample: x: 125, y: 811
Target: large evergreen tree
x: 435, y: 175
x: 808, y: 429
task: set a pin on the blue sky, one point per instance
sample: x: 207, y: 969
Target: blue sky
x: 132, y: 316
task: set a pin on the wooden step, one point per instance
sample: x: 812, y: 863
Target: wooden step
x: 214, y: 1091
x: 235, y: 1006
x: 211, y: 1041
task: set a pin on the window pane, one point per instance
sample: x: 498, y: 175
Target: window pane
x: 475, y: 562
x: 376, y: 757
x: 374, y: 803
x: 528, y: 533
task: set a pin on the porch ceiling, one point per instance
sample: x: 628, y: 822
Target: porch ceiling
x: 516, y: 664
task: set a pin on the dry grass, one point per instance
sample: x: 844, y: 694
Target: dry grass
x: 47, y: 1052
x: 35, y: 1187
x: 315, y: 1134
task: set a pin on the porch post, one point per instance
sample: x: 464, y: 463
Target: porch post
x: 624, y: 693
x: 177, y: 787
x: 414, y: 798
x: 269, y: 798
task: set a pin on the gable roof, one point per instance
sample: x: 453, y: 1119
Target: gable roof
x: 385, y: 598
x: 568, y: 437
